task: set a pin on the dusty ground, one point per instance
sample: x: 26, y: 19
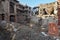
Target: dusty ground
x: 24, y: 32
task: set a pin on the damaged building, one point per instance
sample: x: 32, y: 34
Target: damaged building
x: 45, y: 11
x: 13, y: 11
x: 48, y: 9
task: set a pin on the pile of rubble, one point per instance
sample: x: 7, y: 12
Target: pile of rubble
x: 15, y: 31
x: 4, y: 33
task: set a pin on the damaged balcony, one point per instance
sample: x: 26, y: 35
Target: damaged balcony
x: 15, y: 1
x: 20, y: 7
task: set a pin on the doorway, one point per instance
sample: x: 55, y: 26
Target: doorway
x: 12, y: 18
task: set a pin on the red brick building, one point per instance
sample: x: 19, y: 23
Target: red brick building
x: 58, y: 8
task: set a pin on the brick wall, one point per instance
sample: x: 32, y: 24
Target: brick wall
x: 58, y: 16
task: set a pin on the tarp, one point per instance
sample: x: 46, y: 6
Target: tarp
x: 53, y: 29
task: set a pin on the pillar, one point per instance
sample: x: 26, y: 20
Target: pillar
x: 58, y: 13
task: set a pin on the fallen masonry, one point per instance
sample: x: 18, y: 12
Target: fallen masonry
x: 14, y: 31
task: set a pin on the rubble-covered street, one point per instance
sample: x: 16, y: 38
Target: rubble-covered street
x: 33, y: 20
x: 15, y: 31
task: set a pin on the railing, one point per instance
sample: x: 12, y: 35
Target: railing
x: 20, y: 8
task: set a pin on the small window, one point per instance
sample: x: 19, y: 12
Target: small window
x: 11, y: 7
x: 1, y: 16
x: 29, y: 11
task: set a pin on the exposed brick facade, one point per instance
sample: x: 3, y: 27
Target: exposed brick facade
x: 58, y: 2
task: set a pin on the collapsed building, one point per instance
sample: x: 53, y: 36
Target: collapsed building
x: 45, y: 11
x: 49, y: 9
x: 45, y: 14
x: 50, y: 13
x: 13, y: 11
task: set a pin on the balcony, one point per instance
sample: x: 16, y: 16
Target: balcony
x: 20, y: 8
x: 15, y: 1
x: 27, y: 9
